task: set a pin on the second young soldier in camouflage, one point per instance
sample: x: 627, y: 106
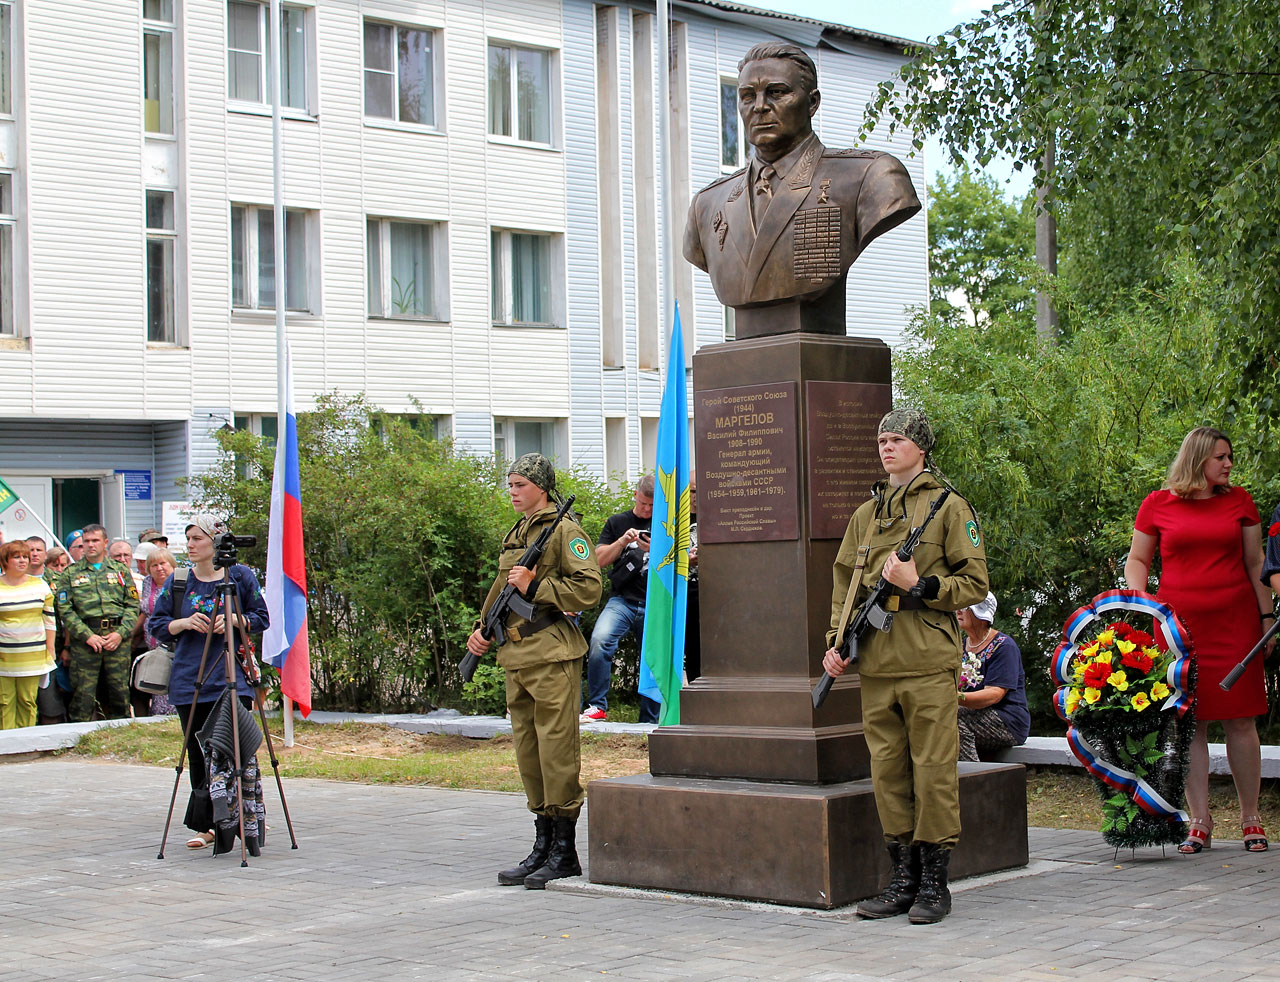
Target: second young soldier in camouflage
x: 543, y: 662
x: 909, y: 675
x: 97, y: 606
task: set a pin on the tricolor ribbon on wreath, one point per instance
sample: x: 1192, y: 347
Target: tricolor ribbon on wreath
x: 1177, y: 678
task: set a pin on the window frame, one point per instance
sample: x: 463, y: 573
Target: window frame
x: 251, y: 251
x: 550, y: 438
x: 513, y: 122
x: 727, y: 82
x: 437, y: 77
x: 240, y: 104
x: 166, y: 32
x: 437, y: 240
x: 160, y: 234
x: 502, y: 284
x: 7, y: 55
x: 8, y: 260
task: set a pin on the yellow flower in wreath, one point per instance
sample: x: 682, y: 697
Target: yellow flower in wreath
x: 1105, y: 638
x: 1139, y: 701
x: 1119, y: 680
x: 1105, y: 657
x: 1092, y: 695
x: 1073, y: 700
x: 1159, y: 691
x: 1125, y: 646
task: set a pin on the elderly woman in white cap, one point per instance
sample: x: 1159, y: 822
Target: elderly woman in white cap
x: 993, y: 686
x: 200, y: 615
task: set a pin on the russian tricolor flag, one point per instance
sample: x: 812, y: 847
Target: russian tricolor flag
x: 285, y: 642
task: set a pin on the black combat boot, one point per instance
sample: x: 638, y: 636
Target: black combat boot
x: 541, y: 847
x: 933, y: 900
x: 904, y: 880
x: 563, y: 858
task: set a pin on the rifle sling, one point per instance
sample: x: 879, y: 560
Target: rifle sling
x: 923, y: 503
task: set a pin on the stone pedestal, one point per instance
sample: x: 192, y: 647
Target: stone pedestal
x: 810, y: 846
x: 757, y: 794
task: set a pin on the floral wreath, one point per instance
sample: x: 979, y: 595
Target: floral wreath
x: 1177, y: 681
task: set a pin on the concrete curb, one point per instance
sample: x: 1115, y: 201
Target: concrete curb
x: 1036, y: 752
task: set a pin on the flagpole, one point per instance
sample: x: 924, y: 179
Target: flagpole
x: 277, y: 193
x: 664, y: 162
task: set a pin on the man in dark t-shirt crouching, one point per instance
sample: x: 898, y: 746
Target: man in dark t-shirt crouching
x: 624, y: 547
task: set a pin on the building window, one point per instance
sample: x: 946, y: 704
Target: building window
x: 6, y: 57
x: 732, y: 146
x: 249, y: 54
x: 262, y: 425
x: 157, y: 65
x: 520, y: 93
x: 515, y: 437
x: 402, y: 269
x: 161, y: 279
x: 6, y: 254
x: 521, y: 277
x: 253, y: 255
x: 399, y: 73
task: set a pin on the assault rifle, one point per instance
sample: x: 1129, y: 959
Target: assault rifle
x: 510, y: 599
x: 874, y: 612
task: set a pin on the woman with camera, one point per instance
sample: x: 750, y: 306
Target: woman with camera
x: 195, y: 619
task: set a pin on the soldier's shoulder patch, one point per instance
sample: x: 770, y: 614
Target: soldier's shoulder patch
x: 972, y: 528
x: 579, y: 548
x: 133, y: 591
x: 62, y: 596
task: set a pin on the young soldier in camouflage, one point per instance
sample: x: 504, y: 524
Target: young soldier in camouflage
x: 97, y: 606
x: 543, y: 662
x: 909, y: 675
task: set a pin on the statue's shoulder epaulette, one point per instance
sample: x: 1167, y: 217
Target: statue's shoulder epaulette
x: 725, y: 177
x: 850, y: 152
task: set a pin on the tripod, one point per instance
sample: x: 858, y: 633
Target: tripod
x: 229, y: 603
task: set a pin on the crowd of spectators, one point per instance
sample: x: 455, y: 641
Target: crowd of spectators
x: 72, y: 621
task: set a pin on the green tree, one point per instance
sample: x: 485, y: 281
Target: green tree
x: 1166, y: 120
x: 981, y: 245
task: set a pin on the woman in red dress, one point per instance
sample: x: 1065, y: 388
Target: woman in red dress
x: 1210, y: 541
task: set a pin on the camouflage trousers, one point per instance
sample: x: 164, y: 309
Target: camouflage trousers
x: 98, y: 676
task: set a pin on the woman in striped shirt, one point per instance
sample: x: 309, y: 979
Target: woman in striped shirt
x: 26, y: 636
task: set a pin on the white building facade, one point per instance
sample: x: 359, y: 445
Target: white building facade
x: 473, y: 227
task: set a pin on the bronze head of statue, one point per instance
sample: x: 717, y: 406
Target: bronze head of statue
x: 778, y: 237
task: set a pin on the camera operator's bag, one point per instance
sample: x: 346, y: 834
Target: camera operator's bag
x: 151, y: 668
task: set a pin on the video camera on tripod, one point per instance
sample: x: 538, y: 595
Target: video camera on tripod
x: 225, y: 548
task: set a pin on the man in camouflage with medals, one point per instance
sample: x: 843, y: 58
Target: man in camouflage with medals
x: 98, y: 607
x: 909, y: 675
x: 543, y: 662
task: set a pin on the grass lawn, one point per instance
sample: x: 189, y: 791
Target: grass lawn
x: 372, y: 754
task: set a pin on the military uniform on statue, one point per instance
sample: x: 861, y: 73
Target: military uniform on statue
x: 909, y: 674
x: 543, y: 662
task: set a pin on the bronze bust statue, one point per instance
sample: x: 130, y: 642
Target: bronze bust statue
x: 778, y: 237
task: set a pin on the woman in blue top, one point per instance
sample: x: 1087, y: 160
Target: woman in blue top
x: 188, y: 629
x: 993, y: 686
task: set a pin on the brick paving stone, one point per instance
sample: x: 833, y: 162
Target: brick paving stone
x: 398, y: 883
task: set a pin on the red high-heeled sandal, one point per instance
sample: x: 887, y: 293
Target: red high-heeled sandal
x: 1199, y: 836
x: 1255, y: 836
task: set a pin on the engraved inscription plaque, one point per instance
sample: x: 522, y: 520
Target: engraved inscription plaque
x: 748, y: 487
x: 841, y: 423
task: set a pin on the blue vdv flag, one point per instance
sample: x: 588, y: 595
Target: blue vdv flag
x: 666, y: 597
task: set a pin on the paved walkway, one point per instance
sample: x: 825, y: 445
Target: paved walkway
x: 398, y: 883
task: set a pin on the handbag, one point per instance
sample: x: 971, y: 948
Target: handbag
x: 151, y: 671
